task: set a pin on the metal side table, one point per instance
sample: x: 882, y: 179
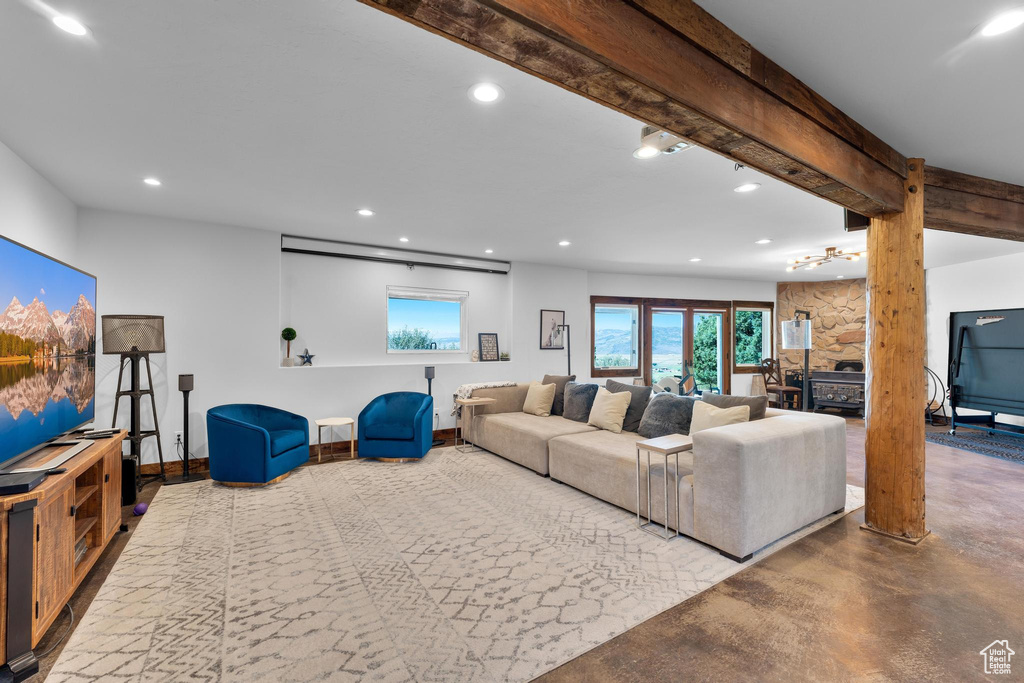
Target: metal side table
x: 670, y: 445
x: 469, y: 409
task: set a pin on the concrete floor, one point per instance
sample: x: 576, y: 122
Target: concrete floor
x: 844, y: 604
x: 840, y: 604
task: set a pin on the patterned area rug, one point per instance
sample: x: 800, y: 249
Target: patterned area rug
x: 995, y: 445
x: 460, y: 567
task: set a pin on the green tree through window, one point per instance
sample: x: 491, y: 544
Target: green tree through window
x: 749, y: 337
x: 705, y: 351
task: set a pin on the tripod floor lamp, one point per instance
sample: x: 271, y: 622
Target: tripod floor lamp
x: 134, y: 337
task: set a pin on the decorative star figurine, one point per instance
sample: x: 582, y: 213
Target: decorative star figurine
x: 306, y: 357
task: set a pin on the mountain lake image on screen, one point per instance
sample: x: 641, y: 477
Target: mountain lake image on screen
x: 47, y: 349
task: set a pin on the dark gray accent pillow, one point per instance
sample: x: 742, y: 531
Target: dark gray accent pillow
x: 666, y: 414
x: 559, y: 381
x: 758, y: 404
x: 579, y: 399
x: 637, y: 403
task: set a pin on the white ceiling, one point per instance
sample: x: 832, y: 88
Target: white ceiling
x: 289, y: 116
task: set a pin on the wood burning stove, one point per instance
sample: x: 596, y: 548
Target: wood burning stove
x: 839, y: 388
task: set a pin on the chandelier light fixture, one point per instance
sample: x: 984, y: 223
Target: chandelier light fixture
x: 831, y: 254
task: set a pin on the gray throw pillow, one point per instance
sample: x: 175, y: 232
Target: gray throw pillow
x: 758, y: 404
x: 559, y: 381
x: 666, y: 414
x: 579, y: 399
x: 637, y: 403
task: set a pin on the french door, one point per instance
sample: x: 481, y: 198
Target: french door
x: 688, y: 340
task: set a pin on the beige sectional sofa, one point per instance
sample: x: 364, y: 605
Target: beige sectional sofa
x: 742, y: 487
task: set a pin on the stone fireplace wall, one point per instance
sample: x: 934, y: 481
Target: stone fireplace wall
x: 838, y: 316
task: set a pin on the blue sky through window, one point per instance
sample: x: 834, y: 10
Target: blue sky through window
x: 440, y: 319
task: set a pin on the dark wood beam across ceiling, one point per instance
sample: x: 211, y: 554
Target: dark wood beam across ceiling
x: 621, y: 56
x: 957, y: 202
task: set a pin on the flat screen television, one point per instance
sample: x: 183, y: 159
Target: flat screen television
x: 47, y: 349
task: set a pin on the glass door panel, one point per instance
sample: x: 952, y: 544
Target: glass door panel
x: 668, y: 343
x: 708, y: 350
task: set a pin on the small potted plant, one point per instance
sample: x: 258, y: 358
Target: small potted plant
x: 504, y: 355
x: 288, y: 334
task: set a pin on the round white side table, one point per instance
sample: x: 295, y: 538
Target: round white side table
x: 331, y: 423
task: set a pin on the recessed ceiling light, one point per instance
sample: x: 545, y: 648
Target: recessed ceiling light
x: 488, y: 251
x: 695, y: 259
x: 747, y: 187
x: 403, y: 239
x: 365, y: 212
x: 564, y: 243
x: 840, y: 277
x: 486, y: 93
x: 69, y: 24
x: 764, y: 241
x: 1007, y: 21
x: 646, y: 152
x: 152, y: 182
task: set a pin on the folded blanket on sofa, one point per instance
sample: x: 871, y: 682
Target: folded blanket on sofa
x: 466, y: 390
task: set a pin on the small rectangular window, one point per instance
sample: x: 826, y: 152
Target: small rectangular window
x: 616, y: 338
x: 426, y: 320
x: 752, y: 335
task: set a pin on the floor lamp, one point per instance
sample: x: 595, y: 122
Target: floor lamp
x: 428, y: 372
x: 568, y: 347
x: 796, y: 334
x: 134, y: 337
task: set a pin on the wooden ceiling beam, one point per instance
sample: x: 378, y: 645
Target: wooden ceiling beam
x: 958, y: 202
x: 693, y: 23
x: 617, y: 55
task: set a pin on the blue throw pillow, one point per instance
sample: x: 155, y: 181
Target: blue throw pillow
x: 666, y: 414
x: 579, y: 399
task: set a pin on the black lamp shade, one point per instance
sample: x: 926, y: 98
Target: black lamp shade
x: 186, y: 382
x: 428, y: 372
x: 127, y: 333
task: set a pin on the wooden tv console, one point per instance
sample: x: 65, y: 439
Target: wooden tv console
x: 38, y: 534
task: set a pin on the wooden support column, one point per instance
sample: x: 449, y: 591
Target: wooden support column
x: 895, y: 376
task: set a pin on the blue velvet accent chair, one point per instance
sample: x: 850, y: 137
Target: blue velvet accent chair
x: 397, y: 426
x: 254, y: 444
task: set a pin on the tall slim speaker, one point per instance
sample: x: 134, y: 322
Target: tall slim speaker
x: 186, y: 383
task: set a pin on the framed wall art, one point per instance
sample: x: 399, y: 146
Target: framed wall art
x: 551, y: 335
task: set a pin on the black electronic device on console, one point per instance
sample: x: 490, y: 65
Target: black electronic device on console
x: 24, y: 482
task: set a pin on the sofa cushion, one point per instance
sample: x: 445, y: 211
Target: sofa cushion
x: 283, y: 440
x: 666, y: 414
x: 707, y: 416
x: 559, y: 381
x: 539, y: 398
x: 609, y: 410
x: 579, y: 399
x: 603, y: 464
x: 522, y: 438
x: 758, y: 404
x: 639, y: 397
x: 393, y: 431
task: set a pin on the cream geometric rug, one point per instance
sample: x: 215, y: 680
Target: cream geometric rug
x: 462, y: 567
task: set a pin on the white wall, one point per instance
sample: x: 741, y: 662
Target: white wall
x: 617, y: 284
x: 34, y: 212
x: 976, y: 285
x: 219, y: 290
x: 337, y: 307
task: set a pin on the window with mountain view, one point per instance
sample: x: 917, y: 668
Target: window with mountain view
x: 753, y: 336
x: 616, y: 337
x: 426, y: 320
